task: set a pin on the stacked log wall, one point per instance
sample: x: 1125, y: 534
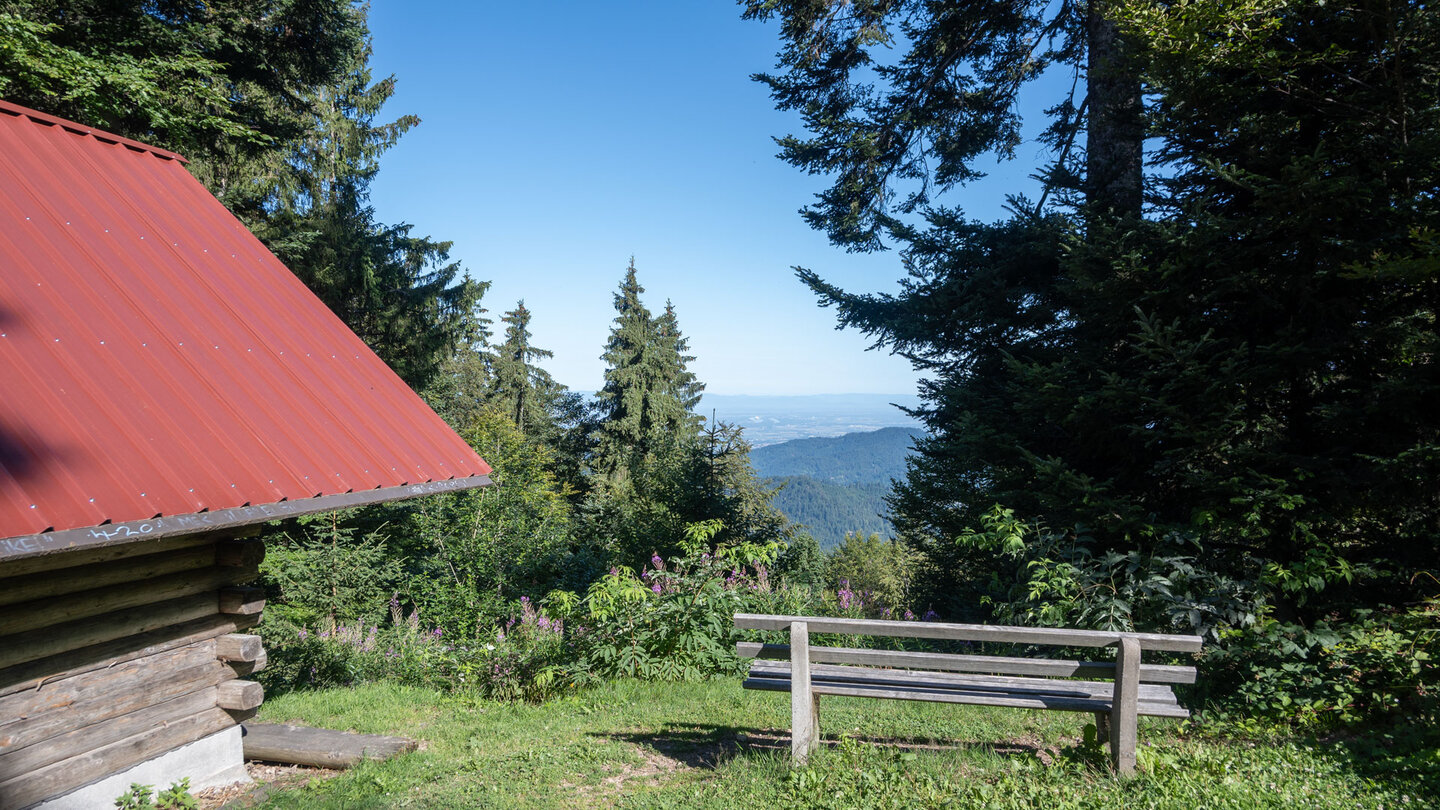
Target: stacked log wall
x: 110, y: 657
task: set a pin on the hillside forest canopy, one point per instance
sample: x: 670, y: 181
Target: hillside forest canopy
x: 1190, y: 386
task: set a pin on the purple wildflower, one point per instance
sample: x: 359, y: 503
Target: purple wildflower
x: 931, y: 616
x: 655, y: 588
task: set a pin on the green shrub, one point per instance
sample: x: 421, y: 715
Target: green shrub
x: 175, y: 797
x: 1378, y: 663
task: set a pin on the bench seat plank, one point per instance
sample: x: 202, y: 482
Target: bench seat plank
x: 990, y: 664
x: 969, y: 632
x: 905, y: 677
x: 972, y: 697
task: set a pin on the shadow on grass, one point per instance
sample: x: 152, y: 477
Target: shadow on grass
x: 710, y: 746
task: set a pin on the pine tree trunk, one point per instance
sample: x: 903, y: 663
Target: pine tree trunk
x: 1113, y: 160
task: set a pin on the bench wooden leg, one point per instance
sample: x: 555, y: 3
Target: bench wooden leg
x: 804, y: 704
x: 1102, y: 727
x: 1124, y: 706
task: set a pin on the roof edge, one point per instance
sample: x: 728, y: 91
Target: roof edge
x: 81, y: 129
x: 36, y: 545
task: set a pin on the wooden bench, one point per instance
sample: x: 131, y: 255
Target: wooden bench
x: 1128, y: 688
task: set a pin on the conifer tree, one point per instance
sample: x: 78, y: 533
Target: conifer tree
x: 680, y: 382
x: 518, y: 387
x: 633, y: 375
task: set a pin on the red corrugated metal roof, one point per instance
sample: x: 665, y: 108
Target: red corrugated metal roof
x: 156, y: 359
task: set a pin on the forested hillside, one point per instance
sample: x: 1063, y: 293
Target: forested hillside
x: 828, y: 511
x: 832, y: 486
x: 855, y: 458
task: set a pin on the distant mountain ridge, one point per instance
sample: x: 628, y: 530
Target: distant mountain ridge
x: 772, y: 419
x: 834, y: 485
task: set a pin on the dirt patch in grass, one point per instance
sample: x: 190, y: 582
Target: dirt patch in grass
x: 266, y: 778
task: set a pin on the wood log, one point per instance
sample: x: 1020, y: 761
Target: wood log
x: 101, y: 683
x: 86, y: 556
x: 240, y: 553
x: 48, y: 641
x: 242, y: 601
x: 36, y: 674
x: 29, y: 587
x: 21, y: 761
x: 68, y: 774
x: 992, y: 664
x: 243, y: 668
x: 240, y: 696
x: 238, y: 647
x: 318, y: 747
x: 84, y: 604
x: 969, y: 632
x: 131, y: 696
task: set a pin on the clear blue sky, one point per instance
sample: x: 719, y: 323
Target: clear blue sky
x: 560, y: 138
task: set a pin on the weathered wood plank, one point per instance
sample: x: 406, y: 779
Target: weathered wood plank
x: 29, y: 587
x: 946, y: 662
x: 68, y: 774
x: 238, y: 647
x: 17, y: 762
x: 975, y: 698
x: 240, y: 696
x: 969, y: 632
x: 318, y: 747
x: 111, y: 598
x: 87, y: 556
x: 902, y: 677
x: 804, y: 714
x: 242, y: 601
x: 1125, y: 710
x: 102, y: 683
x: 37, y: 674
x: 240, y: 552
x: 243, y: 668
x: 48, y: 641
x: 127, y: 697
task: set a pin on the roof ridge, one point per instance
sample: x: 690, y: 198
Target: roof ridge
x: 81, y: 129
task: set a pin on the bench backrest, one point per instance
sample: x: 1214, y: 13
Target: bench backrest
x: 987, y: 664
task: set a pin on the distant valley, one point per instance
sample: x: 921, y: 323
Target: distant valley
x: 773, y: 419
x: 835, y: 485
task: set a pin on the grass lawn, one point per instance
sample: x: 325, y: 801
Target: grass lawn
x: 713, y: 745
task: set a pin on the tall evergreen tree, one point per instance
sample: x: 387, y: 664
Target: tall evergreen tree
x: 649, y: 395
x: 1242, y: 368
x: 519, y: 388
x: 680, y: 382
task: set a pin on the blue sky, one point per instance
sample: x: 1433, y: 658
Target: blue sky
x: 560, y: 138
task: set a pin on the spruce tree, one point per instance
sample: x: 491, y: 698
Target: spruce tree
x: 680, y: 383
x: 1246, y: 368
x: 518, y: 387
x: 630, y: 403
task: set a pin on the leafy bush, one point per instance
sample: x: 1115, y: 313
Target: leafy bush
x: 1059, y: 579
x: 675, y: 620
x: 877, y: 566
x: 1378, y: 663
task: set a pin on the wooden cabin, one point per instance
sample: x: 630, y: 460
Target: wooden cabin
x: 166, y: 386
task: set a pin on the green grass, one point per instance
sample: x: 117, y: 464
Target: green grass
x: 713, y: 745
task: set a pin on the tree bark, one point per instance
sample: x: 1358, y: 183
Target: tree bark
x: 1115, y: 132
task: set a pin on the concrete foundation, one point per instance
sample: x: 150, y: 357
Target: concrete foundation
x: 210, y: 762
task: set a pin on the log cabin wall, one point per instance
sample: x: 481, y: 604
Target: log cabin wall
x: 111, y: 657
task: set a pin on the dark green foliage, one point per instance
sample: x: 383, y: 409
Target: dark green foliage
x: 1247, y: 366
x: 802, y: 563
x: 874, y: 457
x: 830, y: 511
x: 1381, y: 662
x: 649, y: 391
x: 323, y: 571
x: 518, y: 387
